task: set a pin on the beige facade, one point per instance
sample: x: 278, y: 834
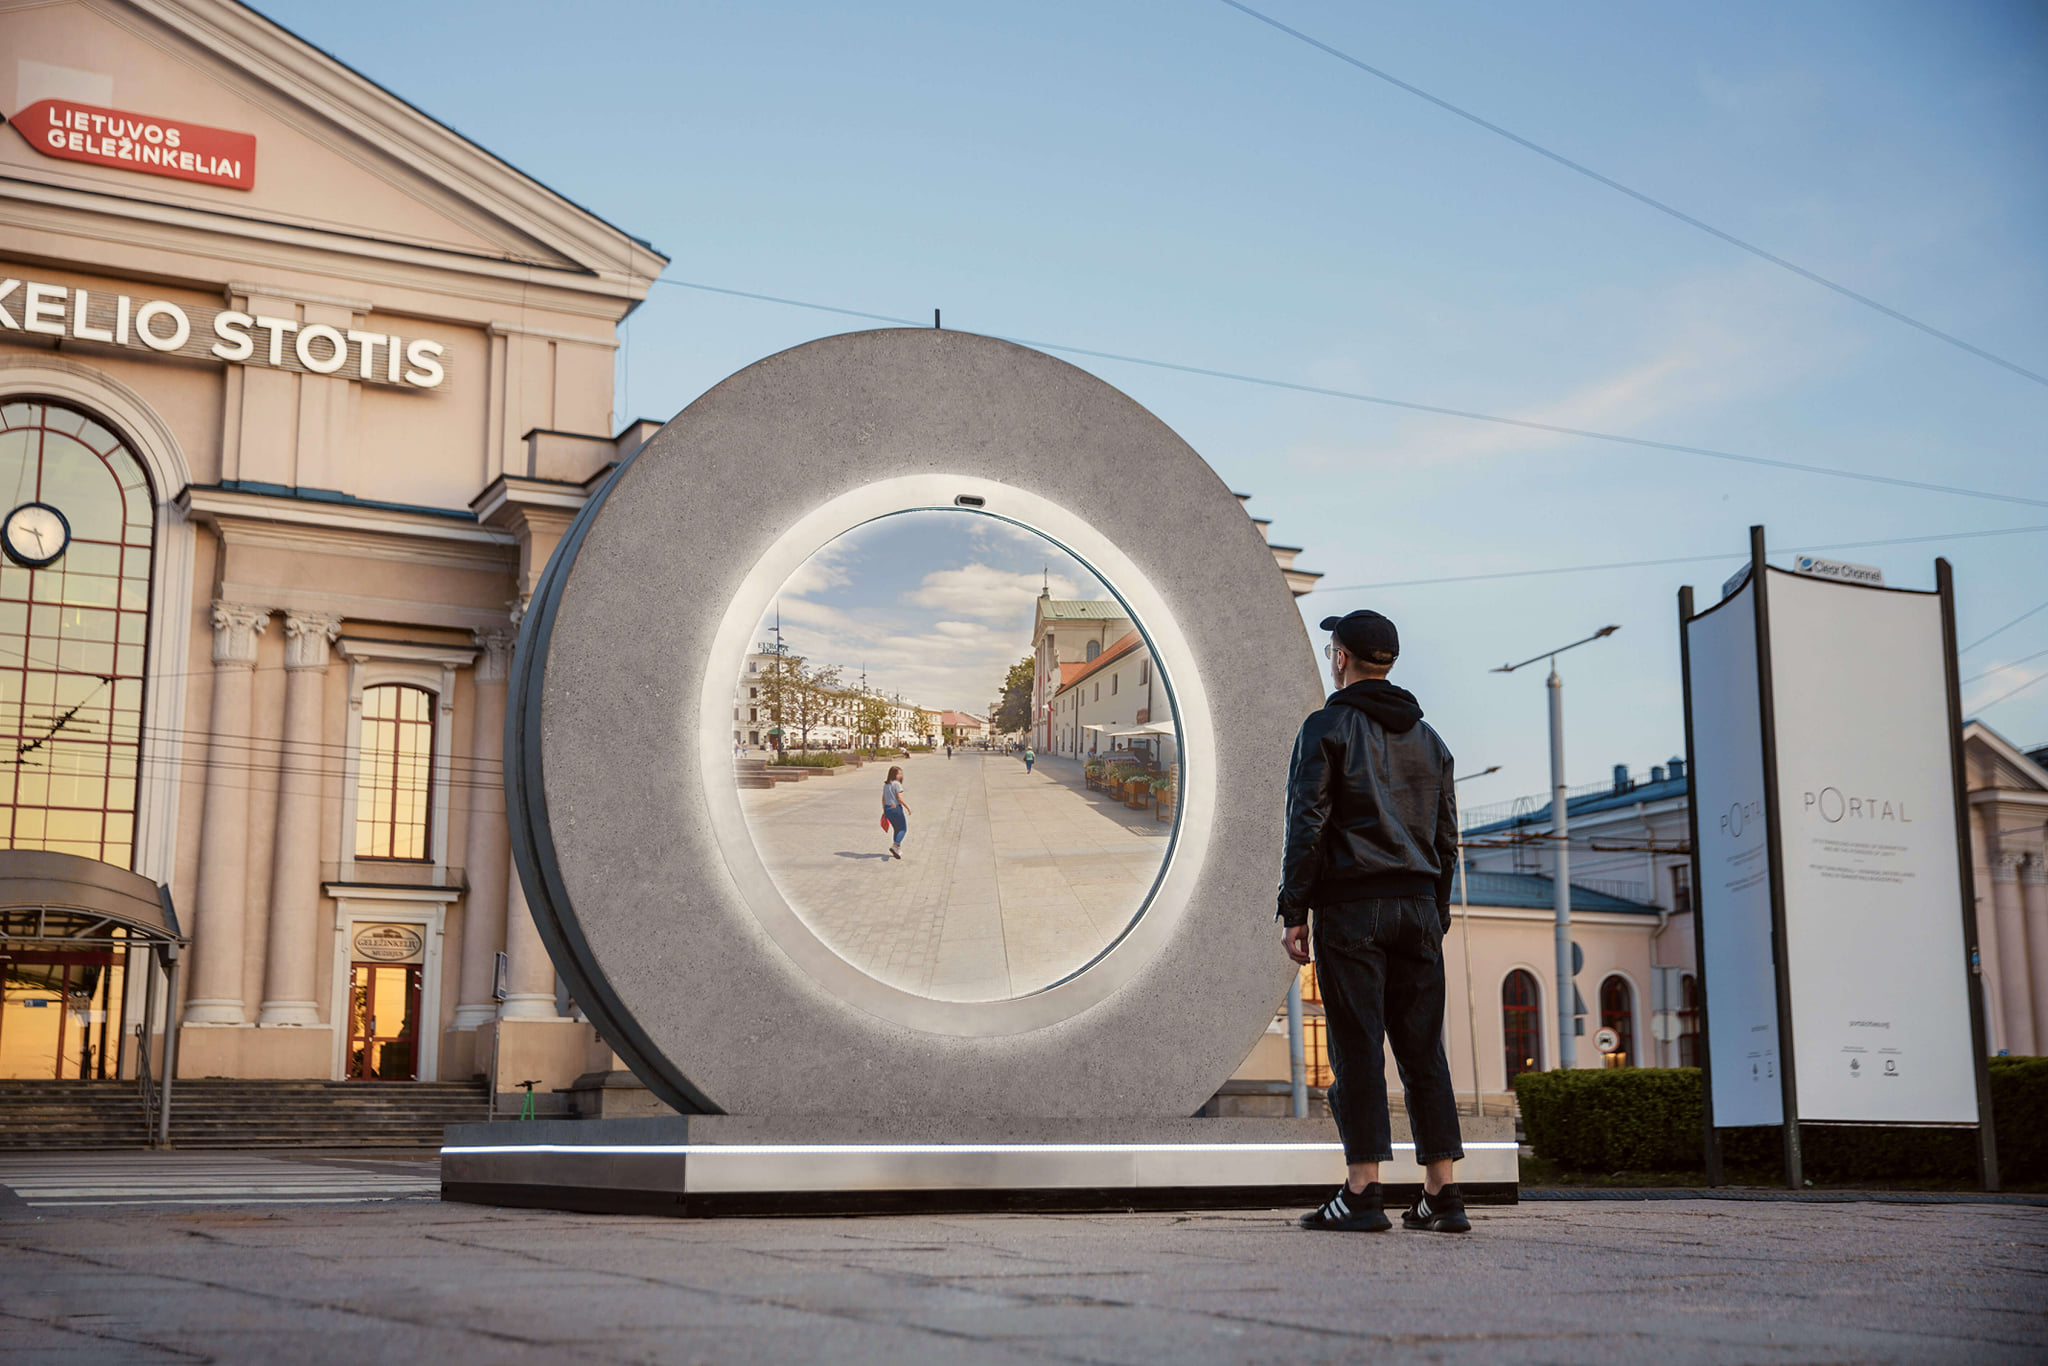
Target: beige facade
x: 367, y: 393
x: 2009, y: 853
x: 1499, y: 1017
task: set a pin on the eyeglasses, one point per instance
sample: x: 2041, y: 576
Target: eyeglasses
x: 1330, y: 648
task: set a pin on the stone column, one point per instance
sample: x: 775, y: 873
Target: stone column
x: 2034, y: 899
x: 531, y: 991
x: 2013, y: 957
x: 487, y: 853
x: 295, y: 859
x: 223, y: 892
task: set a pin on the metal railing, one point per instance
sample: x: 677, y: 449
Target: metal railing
x: 145, y: 1084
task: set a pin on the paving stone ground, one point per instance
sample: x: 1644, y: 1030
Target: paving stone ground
x: 412, y: 1279
x: 1009, y: 880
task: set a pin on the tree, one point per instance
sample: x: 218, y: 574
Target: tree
x: 781, y: 681
x: 925, y: 724
x: 873, y: 711
x: 1013, y: 713
x: 809, y: 700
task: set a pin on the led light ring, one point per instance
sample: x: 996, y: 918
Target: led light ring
x: 641, y: 877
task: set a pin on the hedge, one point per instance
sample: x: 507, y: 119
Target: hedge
x: 801, y: 760
x: 1648, y: 1119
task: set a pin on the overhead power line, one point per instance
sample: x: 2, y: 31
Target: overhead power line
x: 1659, y: 205
x: 1550, y: 428
x: 1675, y: 559
x: 2003, y: 629
x: 2007, y: 696
x: 2001, y: 668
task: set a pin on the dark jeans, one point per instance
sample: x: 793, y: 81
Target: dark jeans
x: 1380, y: 964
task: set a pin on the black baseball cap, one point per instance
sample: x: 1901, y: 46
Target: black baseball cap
x: 1366, y: 635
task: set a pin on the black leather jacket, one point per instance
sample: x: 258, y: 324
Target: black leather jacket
x: 1371, y: 811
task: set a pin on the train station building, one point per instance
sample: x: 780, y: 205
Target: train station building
x: 298, y: 388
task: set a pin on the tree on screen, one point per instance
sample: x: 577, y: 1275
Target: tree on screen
x: 1013, y: 713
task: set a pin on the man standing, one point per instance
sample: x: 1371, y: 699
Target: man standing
x: 1372, y: 843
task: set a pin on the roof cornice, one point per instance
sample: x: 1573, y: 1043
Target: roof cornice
x: 132, y: 221
x: 2006, y: 750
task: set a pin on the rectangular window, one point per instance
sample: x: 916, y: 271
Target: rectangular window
x: 1145, y: 676
x: 1681, y: 887
x: 1112, y: 685
x: 395, y: 777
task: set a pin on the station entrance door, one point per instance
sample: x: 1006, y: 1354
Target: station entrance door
x: 384, y: 1021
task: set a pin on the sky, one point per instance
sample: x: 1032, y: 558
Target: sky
x: 1181, y: 183
x: 935, y: 606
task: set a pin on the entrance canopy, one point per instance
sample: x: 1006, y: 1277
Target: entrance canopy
x: 48, y: 896
x: 1121, y: 732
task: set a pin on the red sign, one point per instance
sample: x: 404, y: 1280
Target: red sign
x: 140, y: 142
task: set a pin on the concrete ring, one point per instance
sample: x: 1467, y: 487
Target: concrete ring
x: 638, y: 867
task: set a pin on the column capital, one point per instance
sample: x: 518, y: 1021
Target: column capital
x: 517, y: 606
x: 306, y: 637
x: 235, y: 628
x: 494, y: 665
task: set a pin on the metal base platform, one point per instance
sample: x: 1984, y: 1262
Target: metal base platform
x: 712, y: 1165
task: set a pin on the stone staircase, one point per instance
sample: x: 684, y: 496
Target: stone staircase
x: 224, y: 1113
x: 70, y: 1114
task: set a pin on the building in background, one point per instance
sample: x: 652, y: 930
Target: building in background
x: 1068, y: 635
x: 298, y: 389
x: 1631, y: 842
x: 963, y: 728
x: 2009, y: 851
x: 1115, y: 701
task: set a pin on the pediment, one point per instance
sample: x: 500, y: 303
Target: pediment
x: 1995, y: 762
x: 336, y: 155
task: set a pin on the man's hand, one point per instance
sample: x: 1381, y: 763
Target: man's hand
x: 1294, y: 939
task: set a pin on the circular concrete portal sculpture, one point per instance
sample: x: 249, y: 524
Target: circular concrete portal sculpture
x: 637, y: 862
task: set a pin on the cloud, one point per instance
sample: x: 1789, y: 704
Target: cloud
x: 980, y: 590
x: 1700, y: 347
x: 822, y: 572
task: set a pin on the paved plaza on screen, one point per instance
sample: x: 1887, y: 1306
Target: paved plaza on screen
x: 1009, y: 880
x: 160, y: 1274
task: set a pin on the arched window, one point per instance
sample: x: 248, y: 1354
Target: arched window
x: 74, y: 631
x: 1688, y: 1020
x: 1094, y: 648
x: 1521, y: 1024
x: 394, y: 796
x: 1618, y: 1013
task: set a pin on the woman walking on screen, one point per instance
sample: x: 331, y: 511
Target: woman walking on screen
x: 895, y: 811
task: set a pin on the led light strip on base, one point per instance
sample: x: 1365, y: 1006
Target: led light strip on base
x: 911, y: 1149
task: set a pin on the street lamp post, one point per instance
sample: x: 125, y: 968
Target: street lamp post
x: 1465, y: 931
x: 1560, y: 824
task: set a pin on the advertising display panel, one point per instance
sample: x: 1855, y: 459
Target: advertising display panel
x: 1867, y: 822
x: 1734, y: 878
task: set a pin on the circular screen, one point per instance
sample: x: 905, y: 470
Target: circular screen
x: 956, y: 754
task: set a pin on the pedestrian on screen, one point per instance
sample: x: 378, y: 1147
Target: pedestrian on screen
x: 1372, y: 842
x: 895, y: 811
